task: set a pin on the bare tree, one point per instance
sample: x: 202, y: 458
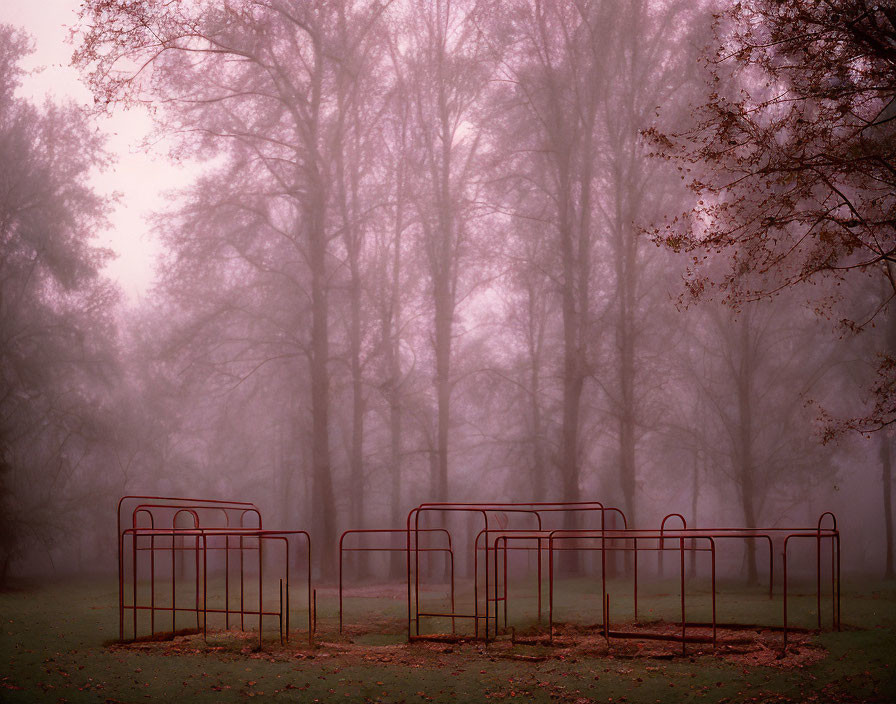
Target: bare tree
x: 258, y: 82
x: 755, y: 372
x: 554, y: 68
x: 645, y: 69
x: 360, y: 104
x: 445, y: 68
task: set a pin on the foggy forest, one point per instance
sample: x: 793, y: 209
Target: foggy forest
x: 458, y: 250
x: 611, y: 282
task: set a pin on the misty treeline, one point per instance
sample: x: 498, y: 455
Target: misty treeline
x: 422, y: 261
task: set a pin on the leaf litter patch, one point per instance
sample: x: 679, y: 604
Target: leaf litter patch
x: 741, y: 646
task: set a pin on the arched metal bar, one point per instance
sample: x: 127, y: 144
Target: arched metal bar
x: 484, y: 510
x: 343, y: 549
x: 201, y: 535
x: 818, y: 564
x: 532, y: 507
x: 169, y: 502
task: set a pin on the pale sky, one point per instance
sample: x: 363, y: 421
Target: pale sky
x: 141, y: 178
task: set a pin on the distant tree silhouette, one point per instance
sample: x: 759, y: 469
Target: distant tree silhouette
x: 56, y: 326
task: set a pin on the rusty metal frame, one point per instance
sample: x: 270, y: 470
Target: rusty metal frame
x: 818, y: 534
x: 496, y: 542
x: 180, y: 502
x: 784, y: 535
x: 150, y: 506
x: 681, y: 536
x: 201, y: 607
x: 634, y: 535
x: 493, y: 542
x: 415, y: 613
x: 383, y: 531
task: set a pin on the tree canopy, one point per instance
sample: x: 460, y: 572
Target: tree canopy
x: 56, y: 326
x: 792, y: 158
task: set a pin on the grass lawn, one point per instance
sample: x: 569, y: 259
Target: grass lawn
x: 58, y: 644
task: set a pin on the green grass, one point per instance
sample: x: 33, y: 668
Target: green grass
x: 55, y: 647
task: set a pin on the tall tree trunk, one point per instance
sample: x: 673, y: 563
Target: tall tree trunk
x: 443, y: 275
x: 323, y: 509
x: 397, y: 562
x: 283, y: 478
x: 887, y: 477
x: 347, y: 159
x: 391, y: 333
x: 352, y: 236
x: 745, y: 470
x: 323, y: 518
x: 627, y: 476
x: 538, y: 464
x: 695, y: 494
x: 625, y: 283
x: 432, y: 453
x: 573, y: 382
x: 576, y: 303
x: 749, y: 508
x: 356, y: 458
x: 886, y: 455
x: 439, y: 482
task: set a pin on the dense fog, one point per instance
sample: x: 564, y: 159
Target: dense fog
x: 533, y: 250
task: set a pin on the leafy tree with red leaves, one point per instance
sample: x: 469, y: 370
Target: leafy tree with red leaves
x: 792, y: 159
